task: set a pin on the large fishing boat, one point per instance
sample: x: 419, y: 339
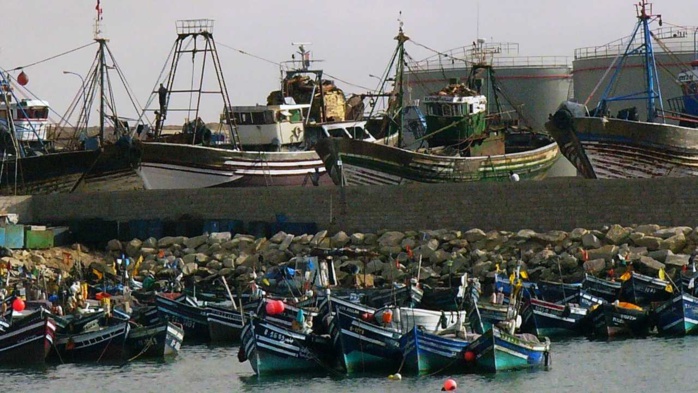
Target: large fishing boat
x: 263, y: 145
x: 602, y: 144
x: 32, y: 161
x: 466, y: 141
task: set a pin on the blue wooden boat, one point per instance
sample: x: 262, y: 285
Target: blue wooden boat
x: 27, y: 341
x: 501, y: 281
x: 273, y: 349
x: 611, y: 320
x: 677, y: 316
x: 156, y: 341
x: 497, y: 350
x: 689, y: 282
x: 188, y: 314
x: 542, y: 318
x: 482, y: 316
x: 428, y: 353
x: 363, y: 346
x: 643, y: 290
x: 608, y: 290
x: 104, y: 344
x: 555, y: 292
x: 441, y: 298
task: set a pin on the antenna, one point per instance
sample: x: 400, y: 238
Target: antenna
x: 477, y: 23
x: 305, y: 55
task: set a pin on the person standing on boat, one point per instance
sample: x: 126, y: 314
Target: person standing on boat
x: 514, y: 177
x: 162, y: 96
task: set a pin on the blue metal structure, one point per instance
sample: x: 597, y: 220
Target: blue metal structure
x: 652, y: 92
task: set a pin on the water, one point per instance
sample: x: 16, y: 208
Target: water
x: 579, y: 365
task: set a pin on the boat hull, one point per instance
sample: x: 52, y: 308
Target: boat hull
x: 157, y: 341
x: 608, y: 148
x: 365, y: 347
x: 224, y: 325
x: 27, y: 342
x: 607, y: 290
x: 273, y: 349
x: 426, y: 353
x: 181, y: 166
x: 365, y: 163
x: 105, y: 344
x: 542, y: 318
x: 643, y: 290
x: 497, y: 351
x: 609, y: 320
x: 678, y: 316
x: 191, y: 318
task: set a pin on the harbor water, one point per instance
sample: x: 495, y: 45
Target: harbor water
x: 579, y: 365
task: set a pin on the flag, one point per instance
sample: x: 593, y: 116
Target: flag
x: 661, y: 274
x: 524, y: 275
x: 97, y: 273
x: 626, y: 276
x: 669, y: 289
x: 98, y: 7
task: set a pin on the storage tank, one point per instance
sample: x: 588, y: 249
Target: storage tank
x: 674, y: 51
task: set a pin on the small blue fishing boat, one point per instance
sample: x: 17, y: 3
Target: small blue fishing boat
x: 273, y: 349
x: 27, y: 341
x: 617, y: 319
x: 608, y: 290
x: 156, y: 341
x: 103, y: 344
x: 364, y: 346
x: 643, y: 290
x: 482, y: 316
x: 542, y: 318
x: 428, y: 353
x: 501, y: 281
x: 555, y: 292
x: 677, y: 316
x: 497, y: 350
x: 224, y: 323
x: 187, y: 313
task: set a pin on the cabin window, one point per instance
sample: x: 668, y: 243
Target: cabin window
x: 357, y: 133
x: 446, y: 108
x: 471, y: 109
x: 434, y: 110
x: 337, y: 133
x: 3, y: 114
x: 41, y: 113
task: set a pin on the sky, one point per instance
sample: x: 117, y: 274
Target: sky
x: 354, y: 38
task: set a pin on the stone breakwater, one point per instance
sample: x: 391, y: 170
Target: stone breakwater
x: 553, y: 255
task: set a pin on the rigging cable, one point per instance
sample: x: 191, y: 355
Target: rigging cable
x: 52, y: 57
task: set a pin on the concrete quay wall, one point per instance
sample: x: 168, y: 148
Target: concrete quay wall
x: 559, y: 203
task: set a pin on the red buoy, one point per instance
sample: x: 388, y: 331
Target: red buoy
x: 449, y: 386
x: 22, y: 78
x: 469, y: 356
x: 18, y: 305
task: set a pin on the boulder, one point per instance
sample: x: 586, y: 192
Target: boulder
x: 357, y: 239
x: 168, y: 241
x: 551, y: 237
x: 133, y: 248
x: 214, y: 265
x: 650, y: 265
x: 278, y: 237
x: 647, y: 229
x: 283, y: 246
x: 618, y: 235
x: 339, y: 240
x: 190, y: 268
x: 458, y: 243
x: 370, y: 239
x: 577, y: 233
x: 474, y: 235
x: 595, y: 265
x: 678, y: 260
x: 590, y: 240
x: 661, y: 255
x: 674, y: 243
x: 318, y: 238
x: 196, y: 241
x: 408, y: 242
x: 220, y: 237
x: 150, y: 242
x: 374, y: 266
x: 606, y: 252
x: 650, y: 242
x: 114, y: 245
x: 391, y: 239
x: 524, y: 234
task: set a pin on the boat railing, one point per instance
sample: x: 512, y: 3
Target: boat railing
x: 497, y: 62
x: 675, y: 39
x: 194, y: 26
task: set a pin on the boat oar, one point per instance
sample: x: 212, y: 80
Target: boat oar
x: 230, y: 295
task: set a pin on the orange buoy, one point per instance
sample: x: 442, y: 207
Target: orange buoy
x: 449, y: 386
x: 387, y: 317
x: 22, y: 78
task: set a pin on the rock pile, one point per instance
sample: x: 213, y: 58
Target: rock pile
x: 552, y: 256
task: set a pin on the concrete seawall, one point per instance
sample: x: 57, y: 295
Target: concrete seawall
x: 560, y: 203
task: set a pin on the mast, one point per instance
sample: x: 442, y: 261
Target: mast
x: 401, y: 38
x: 101, y: 69
x: 650, y: 71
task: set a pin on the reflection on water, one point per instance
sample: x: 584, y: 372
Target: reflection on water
x: 651, y: 364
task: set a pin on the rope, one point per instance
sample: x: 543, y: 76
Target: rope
x: 52, y: 57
